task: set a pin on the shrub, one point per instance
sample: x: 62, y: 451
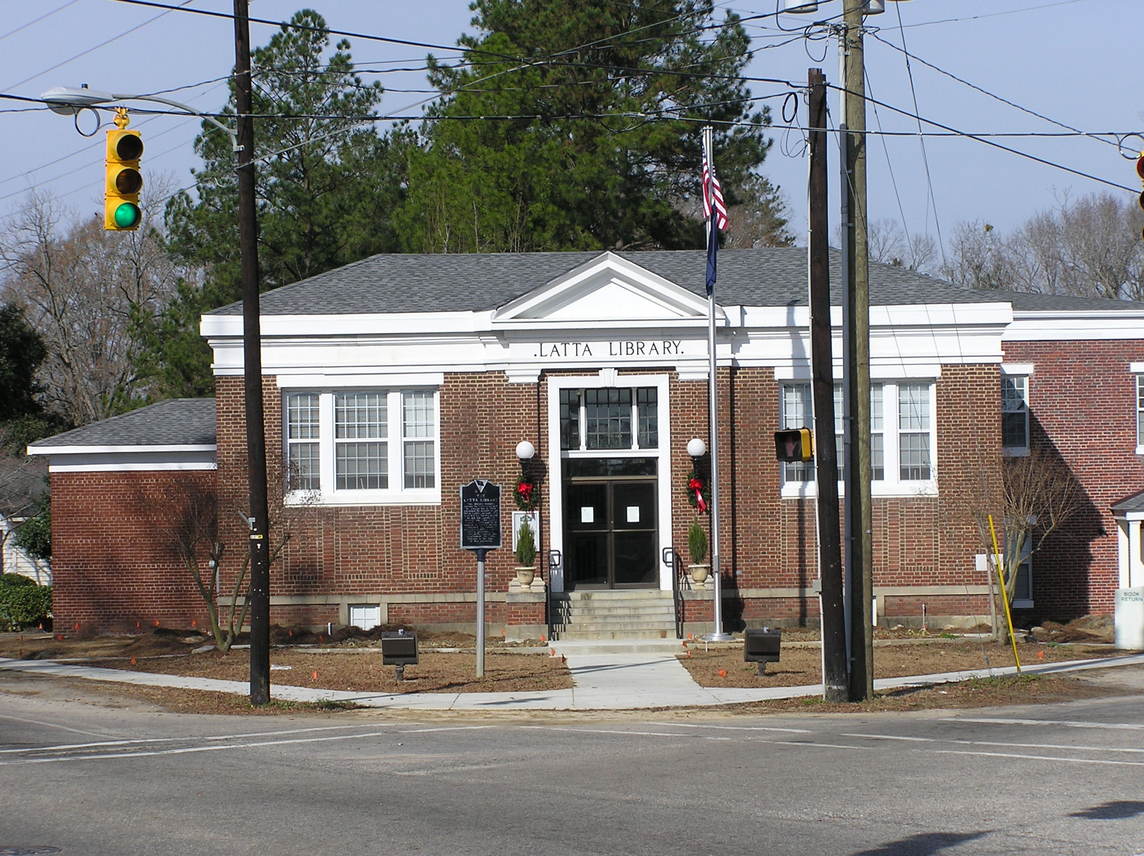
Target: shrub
x: 697, y: 542
x: 35, y: 533
x: 22, y: 602
x: 525, y: 545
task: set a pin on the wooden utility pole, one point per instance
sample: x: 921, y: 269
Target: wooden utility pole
x: 259, y: 520
x: 860, y: 548
x: 834, y: 673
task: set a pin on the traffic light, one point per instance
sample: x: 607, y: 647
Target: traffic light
x: 794, y: 445
x: 123, y: 181
x: 1140, y: 172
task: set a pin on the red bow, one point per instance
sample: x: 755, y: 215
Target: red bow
x: 525, y: 490
x: 697, y: 486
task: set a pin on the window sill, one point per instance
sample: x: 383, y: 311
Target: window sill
x: 301, y: 499
x: 1015, y: 451
x: 1140, y: 450
x: 900, y: 490
x: 1021, y: 604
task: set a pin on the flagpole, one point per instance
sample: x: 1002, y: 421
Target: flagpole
x: 717, y: 634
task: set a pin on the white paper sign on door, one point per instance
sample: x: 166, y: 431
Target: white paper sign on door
x: 587, y: 514
x: 633, y: 514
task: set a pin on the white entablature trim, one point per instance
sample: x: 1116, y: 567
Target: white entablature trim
x: 312, y: 380
x: 1031, y: 326
x: 95, y: 459
x: 606, y: 291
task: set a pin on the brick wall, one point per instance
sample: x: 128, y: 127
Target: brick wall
x: 1082, y: 398
x: 394, y: 549
x: 113, y: 558
x: 769, y: 542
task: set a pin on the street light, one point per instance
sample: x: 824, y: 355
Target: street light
x: 68, y: 101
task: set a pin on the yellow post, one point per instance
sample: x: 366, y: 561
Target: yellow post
x: 1004, y: 593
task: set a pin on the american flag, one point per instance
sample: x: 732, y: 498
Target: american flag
x: 713, y: 197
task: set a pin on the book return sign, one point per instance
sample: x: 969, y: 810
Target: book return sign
x: 480, y: 532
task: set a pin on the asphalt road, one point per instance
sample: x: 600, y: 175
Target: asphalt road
x: 1050, y: 779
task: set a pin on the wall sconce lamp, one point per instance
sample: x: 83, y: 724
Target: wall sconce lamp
x: 526, y: 493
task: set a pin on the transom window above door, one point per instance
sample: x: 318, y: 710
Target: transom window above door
x: 609, y: 418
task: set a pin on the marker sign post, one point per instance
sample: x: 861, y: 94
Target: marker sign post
x: 480, y: 532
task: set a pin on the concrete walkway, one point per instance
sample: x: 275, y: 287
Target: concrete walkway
x: 601, y: 682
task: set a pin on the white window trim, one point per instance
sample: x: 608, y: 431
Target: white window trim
x: 667, y: 478
x: 891, y: 486
x: 1021, y: 451
x: 395, y: 448
x: 1138, y: 372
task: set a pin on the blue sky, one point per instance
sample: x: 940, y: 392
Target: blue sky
x: 1074, y: 61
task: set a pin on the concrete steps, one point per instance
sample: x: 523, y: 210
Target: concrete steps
x: 638, y: 614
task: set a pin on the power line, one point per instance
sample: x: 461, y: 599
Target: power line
x: 983, y: 91
x: 97, y: 46
x: 989, y: 14
x: 985, y: 138
x: 37, y: 20
x: 922, y: 142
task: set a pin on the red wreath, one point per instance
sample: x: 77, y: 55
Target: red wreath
x: 525, y: 495
x: 695, y: 492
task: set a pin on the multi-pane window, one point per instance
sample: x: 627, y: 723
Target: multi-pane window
x: 419, y: 438
x: 797, y: 412
x: 1015, y: 413
x: 367, y: 445
x: 647, y: 412
x: 914, y: 431
x: 901, y: 432
x: 1023, y: 587
x: 302, y: 470
x: 1140, y: 410
x: 877, y: 434
x: 360, y: 445
x: 609, y: 418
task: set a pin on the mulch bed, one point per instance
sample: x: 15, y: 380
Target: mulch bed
x: 724, y: 666
x: 360, y: 670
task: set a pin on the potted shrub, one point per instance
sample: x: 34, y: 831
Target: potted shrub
x: 697, y: 546
x: 525, y: 553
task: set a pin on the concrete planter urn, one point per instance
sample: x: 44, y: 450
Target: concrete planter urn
x: 525, y: 575
x: 699, y: 574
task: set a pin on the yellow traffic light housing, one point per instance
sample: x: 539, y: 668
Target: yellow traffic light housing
x: 122, y: 179
x: 796, y: 444
x: 1140, y: 172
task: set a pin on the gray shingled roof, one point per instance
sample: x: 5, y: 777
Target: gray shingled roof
x: 177, y: 422
x: 1129, y: 504
x: 773, y: 276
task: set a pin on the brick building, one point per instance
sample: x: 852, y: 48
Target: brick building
x: 391, y: 382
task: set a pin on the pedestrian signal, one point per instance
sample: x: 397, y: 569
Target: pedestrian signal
x: 794, y: 445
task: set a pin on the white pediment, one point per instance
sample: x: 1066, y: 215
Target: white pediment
x: 608, y: 290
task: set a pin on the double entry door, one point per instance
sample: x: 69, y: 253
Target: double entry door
x: 610, y: 531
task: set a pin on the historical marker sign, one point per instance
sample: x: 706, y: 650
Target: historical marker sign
x: 480, y: 515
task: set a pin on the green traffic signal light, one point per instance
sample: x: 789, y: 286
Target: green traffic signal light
x: 127, y: 215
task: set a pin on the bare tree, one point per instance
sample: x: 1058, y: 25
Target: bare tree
x: 1033, y: 496
x: 891, y: 244
x: 221, y: 578
x: 79, y: 287
x: 1089, y: 247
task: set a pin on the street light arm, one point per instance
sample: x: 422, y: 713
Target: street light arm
x: 67, y: 102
